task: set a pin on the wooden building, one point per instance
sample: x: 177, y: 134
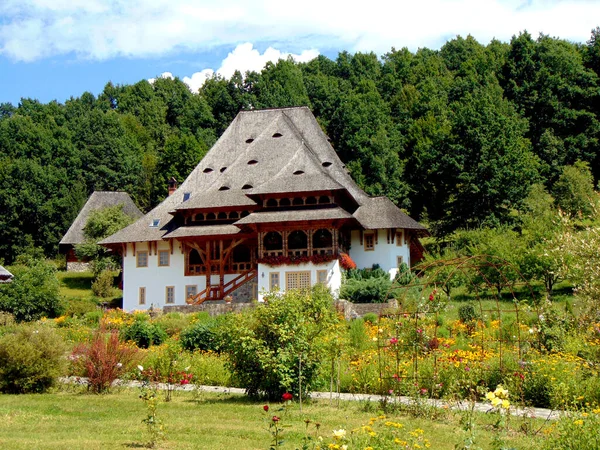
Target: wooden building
x: 74, y: 235
x: 270, y: 205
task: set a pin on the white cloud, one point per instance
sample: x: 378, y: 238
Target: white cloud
x: 245, y: 58
x: 103, y: 29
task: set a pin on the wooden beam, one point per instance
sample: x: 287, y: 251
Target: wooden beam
x: 134, y: 249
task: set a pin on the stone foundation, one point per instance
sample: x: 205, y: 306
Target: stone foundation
x: 77, y: 266
x: 356, y: 310
x: 213, y: 308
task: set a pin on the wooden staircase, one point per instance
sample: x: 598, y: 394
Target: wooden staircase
x: 219, y: 292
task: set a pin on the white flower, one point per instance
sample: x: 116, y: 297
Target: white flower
x: 339, y: 434
x: 141, y: 368
x: 119, y: 365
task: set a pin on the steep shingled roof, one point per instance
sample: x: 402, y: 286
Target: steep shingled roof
x: 5, y: 275
x: 261, y: 152
x: 98, y: 200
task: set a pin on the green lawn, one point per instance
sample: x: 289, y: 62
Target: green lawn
x: 77, y: 420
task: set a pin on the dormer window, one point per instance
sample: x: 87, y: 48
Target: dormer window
x: 326, y: 163
x: 224, y: 188
x: 277, y: 135
x: 155, y: 223
x: 252, y: 162
x: 186, y: 196
x: 298, y: 172
x: 249, y: 141
x: 247, y: 186
x: 207, y: 170
x: 223, y: 169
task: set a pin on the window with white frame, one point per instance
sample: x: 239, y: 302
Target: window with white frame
x: 369, y: 242
x: 191, y: 290
x: 297, y: 280
x: 322, y: 276
x: 163, y: 258
x: 170, y: 294
x: 142, y: 259
x: 274, y: 280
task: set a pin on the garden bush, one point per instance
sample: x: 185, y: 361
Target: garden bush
x: 31, y: 359
x: 173, y: 323
x: 103, y: 360
x: 103, y: 285
x: 271, y: 345
x: 366, y: 290
x: 144, y: 333
x: 201, y: 336
x: 34, y: 292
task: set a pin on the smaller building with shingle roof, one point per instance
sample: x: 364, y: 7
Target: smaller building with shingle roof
x: 5, y: 275
x: 272, y: 206
x: 75, y: 235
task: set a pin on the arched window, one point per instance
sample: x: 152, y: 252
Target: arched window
x: 298, y: 201
x: 311, y: 200
x: 222, y: 216
x: 273, y: 241
x: 211, y: 216
x: 297, y: 240
x: 241, y: 254
x: 284, y: 202
x: 323, y: 199
x: 272, y: 203
x: 199, y: 217
x: 322, y: 239
x: 194, y: 257
x: 234, y: 215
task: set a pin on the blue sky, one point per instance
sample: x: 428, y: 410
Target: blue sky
x: 55, y: 49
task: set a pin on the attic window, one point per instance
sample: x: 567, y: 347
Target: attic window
x: 326, y: 163
x: 155, y: 223
x: 252, y: 162
x: 224, y: 188
x: 186, y: 196
x: 207, y: 170
x: 222, y: 169
x: 298, y: 172
x: 247, y: 186
x: 277, y: 135
x: 249, y: 141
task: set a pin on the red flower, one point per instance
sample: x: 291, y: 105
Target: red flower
x: 287, y: 396
x: 431, y: 297
x: 393, y: 341
x: 275, y: 419
x: 266, y: 407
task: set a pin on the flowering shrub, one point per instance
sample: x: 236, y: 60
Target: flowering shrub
x: 274, y: 261
x: 346, y: 262
x: 103, y: 360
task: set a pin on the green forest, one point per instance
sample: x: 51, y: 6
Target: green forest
x: 457, y: 137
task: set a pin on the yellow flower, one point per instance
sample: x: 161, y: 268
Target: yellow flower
x: 578, y: 422
x: 505, y: 404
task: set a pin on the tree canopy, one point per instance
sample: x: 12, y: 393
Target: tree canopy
x: 456, y: 136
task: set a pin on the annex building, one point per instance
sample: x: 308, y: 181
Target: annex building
x: 270, y: 206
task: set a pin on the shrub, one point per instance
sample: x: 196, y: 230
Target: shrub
x: 371, y: 317
x: 173, y: 323
x: 270, y: 346
x: 144, y: 333
x: 467, y: 313
x: 33, y: 293
x: 200, y: 336
x: 368, y: 290
x: 103, y: 286
x: 31, y: 359
x: 104, y: 360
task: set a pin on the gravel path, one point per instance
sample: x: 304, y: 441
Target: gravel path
x: 539, y: 413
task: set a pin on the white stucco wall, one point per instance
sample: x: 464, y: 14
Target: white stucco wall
x: 156, y: 279
x: 384, y: 254
x: 334, y: 275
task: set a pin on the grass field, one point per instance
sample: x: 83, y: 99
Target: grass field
x: 78, y: 420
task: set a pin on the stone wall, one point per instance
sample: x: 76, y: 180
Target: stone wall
x: 350, y: 310
x: 214, y: 308
x: 355, y: 310
x: 77, y: 266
